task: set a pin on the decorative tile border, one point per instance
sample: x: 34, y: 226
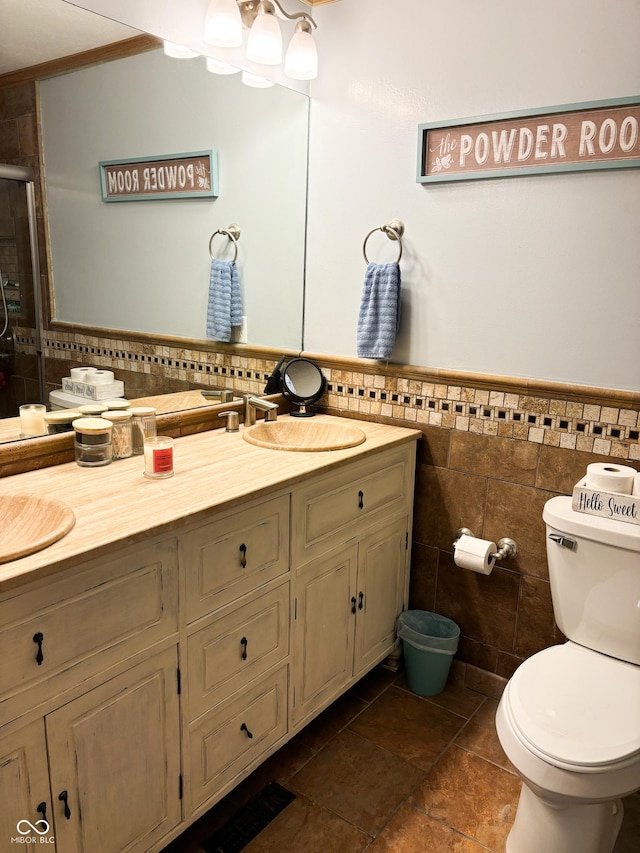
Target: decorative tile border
x: 560, y: 423
x: 605, y: 430
x: 248, y: 375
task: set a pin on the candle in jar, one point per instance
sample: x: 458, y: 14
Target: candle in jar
x: 158, y: 457
x: 32, y: 419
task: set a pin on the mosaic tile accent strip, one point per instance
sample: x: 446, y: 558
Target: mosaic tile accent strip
x: 559, y: 423
x: 572, y: 425
x: 248, y: 375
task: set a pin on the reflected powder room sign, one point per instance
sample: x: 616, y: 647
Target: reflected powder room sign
x: 191, y: 175
x: 595, y: 135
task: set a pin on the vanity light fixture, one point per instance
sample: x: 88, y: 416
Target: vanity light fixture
x: 265, y: 37
x: 223, y: 24
x: 226, y: 18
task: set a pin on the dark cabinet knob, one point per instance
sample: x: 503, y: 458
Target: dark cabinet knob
x: 243, y: 558
x: 63, y: 797
x: 243, y: 643
x: 360, y: 499
x: 243, y: 728
x: 41, y: 808
x: 353, y: 604
x: 39, y: 639
x: 360, y: 600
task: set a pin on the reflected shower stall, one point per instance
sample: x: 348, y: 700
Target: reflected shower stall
x: 21, y: 366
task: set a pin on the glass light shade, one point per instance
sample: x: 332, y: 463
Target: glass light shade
x: 301, y: 61
x: 223, y: 24
x: 177, y: 51
x: 257, y: 82
x: 217, y: 67
x: 265, y: 40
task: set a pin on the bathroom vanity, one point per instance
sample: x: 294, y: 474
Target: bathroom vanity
x: 186, y: 628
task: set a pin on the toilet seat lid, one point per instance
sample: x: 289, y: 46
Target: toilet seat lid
x: 577, y: 707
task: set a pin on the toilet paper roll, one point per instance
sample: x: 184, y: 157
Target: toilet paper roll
x: 610, y: 477
x: 474, y: 554
x: 100, y: 377
x: 80, y: 374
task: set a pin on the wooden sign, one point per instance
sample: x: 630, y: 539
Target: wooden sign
x: 597, y: 135
x: 192, y: 175
x: 605, y: 504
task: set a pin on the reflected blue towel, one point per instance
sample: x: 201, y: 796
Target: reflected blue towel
x: 224, y: 309
x: 379, y: 318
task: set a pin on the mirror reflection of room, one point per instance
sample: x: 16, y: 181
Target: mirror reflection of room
x: 144, y: 265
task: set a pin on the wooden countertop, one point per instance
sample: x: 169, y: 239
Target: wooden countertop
x: 116, y: 503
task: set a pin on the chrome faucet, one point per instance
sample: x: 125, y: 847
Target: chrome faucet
x: 225, y: 394
x: 251, y: 406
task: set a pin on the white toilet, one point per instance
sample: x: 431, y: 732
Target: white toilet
x: 569, y: 718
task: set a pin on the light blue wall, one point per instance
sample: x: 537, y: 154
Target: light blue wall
x: 534, y: 277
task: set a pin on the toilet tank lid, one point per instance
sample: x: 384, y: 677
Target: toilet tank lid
x: 557, y: 513
x: 577, y: 707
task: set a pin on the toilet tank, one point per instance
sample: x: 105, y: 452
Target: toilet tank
x: 594, y: 569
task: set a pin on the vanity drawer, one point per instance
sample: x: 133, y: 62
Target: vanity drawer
x: 332, y: 509
x: 232, y: 651
x: 57, y: 633
x: 234, y: 555
x: 225, y: 742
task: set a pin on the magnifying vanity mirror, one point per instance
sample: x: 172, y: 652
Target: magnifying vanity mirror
x: 303, y: 384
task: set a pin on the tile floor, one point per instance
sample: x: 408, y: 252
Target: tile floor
x: 386, y: 771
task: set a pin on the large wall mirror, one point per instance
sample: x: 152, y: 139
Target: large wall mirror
x: 143, y: 266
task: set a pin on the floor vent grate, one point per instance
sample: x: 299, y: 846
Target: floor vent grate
x: 250, y: 820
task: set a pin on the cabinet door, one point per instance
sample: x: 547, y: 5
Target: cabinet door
x: 382, y: 568
x: 24, y: 786
x: 115, y: 763
x: 323, y: 630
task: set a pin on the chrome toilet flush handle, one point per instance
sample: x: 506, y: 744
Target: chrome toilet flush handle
x: 565, y: 541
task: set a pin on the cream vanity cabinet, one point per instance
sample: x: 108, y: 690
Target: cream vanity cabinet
x: 137, y: 689
x: 350, y: 558
x: 89, y: 710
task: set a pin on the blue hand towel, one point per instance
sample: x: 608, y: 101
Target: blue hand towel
x: 379, y: 318
x: 224, y: 309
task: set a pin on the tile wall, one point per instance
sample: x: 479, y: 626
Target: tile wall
x: 488, y: 459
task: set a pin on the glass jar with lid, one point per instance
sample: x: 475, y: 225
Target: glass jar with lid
x: 119, y: 405
x: 121, y: 435
x: 60, y: 420
x: 92, y: 410
x: 143, y: 426
x: 93, y: 441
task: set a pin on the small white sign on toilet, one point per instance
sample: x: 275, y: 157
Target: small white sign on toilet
x: 606, y: 504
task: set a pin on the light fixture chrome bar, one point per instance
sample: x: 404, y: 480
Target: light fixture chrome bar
x: 249, y: 10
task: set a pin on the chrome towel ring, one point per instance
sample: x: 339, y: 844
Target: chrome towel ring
x: 233, y: 233
x: 394, y: 231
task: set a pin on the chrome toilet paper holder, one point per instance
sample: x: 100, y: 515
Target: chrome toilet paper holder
x: 507, y: 548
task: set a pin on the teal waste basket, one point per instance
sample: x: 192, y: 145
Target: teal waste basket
x: 429, y: 642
